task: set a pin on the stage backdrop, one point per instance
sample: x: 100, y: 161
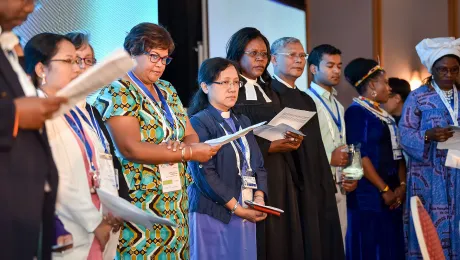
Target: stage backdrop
x: 107, y: 21
x: 273, y: 19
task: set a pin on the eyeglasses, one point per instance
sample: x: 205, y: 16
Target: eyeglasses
x: 293, y: 55
x: 228, y: 84
x: 255, y: 54
x: 68, y: 61
x: 442, y: 71
x: 154, y: 58
x: 87, y: 61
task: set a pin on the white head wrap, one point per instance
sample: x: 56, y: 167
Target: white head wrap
x: 430, y: 50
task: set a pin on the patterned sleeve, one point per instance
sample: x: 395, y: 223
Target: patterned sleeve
x: 118, y: 99
x: 411, y: 136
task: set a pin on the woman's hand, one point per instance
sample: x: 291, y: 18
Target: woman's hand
x: 439, y: 134
x: 290, y: 143
x: 115, y: 222
x: 349, y: 185
x: 102, y: 233
x: 389, y: 198
x: 253, y: 215
x: 173, y: 145
x: 201, y: 152
x: 400, y: 194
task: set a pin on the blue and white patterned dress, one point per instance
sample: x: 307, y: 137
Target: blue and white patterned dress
x: 437, y: 186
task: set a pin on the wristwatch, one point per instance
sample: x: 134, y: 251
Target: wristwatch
x: 234, y: 208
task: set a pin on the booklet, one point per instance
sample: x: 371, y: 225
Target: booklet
x: 263, y: 208
x: 231, y: 137
x: 288, y: 119
x: 96, y: 77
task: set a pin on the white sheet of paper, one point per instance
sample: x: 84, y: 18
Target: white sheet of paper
x: 273, y: 133
x: 453, y: 159
x: 228, y: 138
x: 288, y: 119
x: 121, y: 208
x: 453, y: 142
x: 96, y: 77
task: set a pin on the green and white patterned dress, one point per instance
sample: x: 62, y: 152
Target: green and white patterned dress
x: 122, y: 98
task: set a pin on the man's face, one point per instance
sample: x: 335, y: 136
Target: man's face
x: 329, y: 70
x: 290, y: 60
x: 14, y: 12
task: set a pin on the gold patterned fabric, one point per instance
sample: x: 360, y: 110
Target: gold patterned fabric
x: 121, y: 98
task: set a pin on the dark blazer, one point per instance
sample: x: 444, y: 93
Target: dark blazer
x: 217, y: 181
x: 26, y: 163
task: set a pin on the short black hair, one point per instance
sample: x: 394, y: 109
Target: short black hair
x: 147, y: 36
x: 399, y: 86
x: 41, y: 48
x: 316, y: 54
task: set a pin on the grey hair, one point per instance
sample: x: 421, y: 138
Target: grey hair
x: 281, y: 43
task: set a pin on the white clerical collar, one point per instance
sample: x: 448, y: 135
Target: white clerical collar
x: 250, y: 81
x: 8, y: 40
x: 225, y: 114
x: 322, y: 92
x: 250, y: 90
x: 284, y: 82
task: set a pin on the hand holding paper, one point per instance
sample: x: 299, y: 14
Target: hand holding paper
x: 228, y: 138
x: 288, y: 119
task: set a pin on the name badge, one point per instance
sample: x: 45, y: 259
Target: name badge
x: 108, y: 176
x: 170, y: 178
x: 453, y: 159
x: 246, y: 194
x: 249, y: 182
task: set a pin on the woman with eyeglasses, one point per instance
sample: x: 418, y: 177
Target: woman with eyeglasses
x: 51, y: 62
x: 429, y: 114
x: 276, y: 237
x: 154, y: 139
x: 221, y: 224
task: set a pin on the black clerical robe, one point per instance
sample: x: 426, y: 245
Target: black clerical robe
x: 322, y: 238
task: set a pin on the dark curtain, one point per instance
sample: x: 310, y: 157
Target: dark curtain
x: 183, y: 20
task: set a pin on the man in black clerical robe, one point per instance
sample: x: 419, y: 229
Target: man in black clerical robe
x: 322, y: 235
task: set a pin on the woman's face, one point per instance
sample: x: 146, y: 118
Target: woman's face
x: 86, y: 54
x: 149, y: 72
x: 223, y: 94
x: 62, y: 67
x: 381, y: 87
x: 255, y: 59
x: 445, y: 72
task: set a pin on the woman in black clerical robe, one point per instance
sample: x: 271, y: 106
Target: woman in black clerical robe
x: 318, y: 207
x: 277, y: 237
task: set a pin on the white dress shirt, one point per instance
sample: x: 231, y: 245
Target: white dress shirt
x: 329, y: 131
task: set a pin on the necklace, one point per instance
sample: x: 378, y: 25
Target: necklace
x: 449, y: 94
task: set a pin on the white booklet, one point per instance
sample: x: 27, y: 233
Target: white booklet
x: 288, y: 119
x: 228, y: 138
x: 121, y: 208
x: 453, y: 142
x: 96, y: 77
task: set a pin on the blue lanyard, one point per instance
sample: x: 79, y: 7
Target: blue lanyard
x: 338, y: 122
x: 95, y: 126
x: 77, y: 127
x: 164, y: 106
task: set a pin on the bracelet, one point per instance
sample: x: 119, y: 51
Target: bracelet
x: 385, y: 189
x: 402, y: 183
x: 234, y: 208
x: 183, y: 155
x: 261, y: 196
x: 191, y: 153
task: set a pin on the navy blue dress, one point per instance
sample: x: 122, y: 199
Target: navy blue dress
x: 214, y: 232
x: 374, y: 231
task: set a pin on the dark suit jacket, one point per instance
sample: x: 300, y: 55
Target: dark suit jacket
x: 217, y: 181
x: 25, y: 164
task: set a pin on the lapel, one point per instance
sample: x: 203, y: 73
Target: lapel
x: 278, y: 87
x: 10, y: 76
x: 215, y: 114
